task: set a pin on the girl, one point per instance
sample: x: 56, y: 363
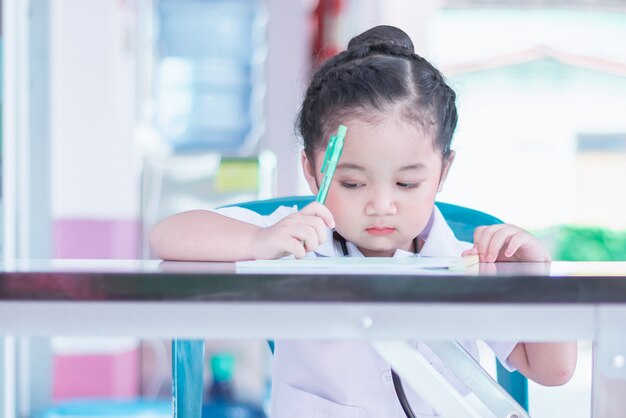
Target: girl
x: 401, y: 116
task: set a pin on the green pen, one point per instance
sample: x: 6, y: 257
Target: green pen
x: 331, y: 159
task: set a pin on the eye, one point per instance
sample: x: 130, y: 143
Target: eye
x: 351, y: 186
x: 407, y: 185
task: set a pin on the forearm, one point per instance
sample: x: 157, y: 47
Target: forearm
x: 549, y: 364
x: 201, y: 235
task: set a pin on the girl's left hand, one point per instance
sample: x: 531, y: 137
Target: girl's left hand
x: 505, y: 242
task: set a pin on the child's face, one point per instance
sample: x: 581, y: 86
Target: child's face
x: 383, y: 191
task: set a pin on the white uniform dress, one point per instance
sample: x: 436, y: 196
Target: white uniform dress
x: 315, y: 379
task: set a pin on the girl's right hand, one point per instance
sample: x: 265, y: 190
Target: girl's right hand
x: 297, y: 234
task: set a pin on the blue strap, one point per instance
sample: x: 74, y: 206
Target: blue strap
x: 515, y: 383
x: 187, y: 378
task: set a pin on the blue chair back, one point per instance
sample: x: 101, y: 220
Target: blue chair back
x: 463, y: 221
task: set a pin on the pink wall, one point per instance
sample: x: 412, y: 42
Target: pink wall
x: 96, y: 376
x: 90, y: 238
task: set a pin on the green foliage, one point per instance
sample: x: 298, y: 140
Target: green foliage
x: 580, y: 243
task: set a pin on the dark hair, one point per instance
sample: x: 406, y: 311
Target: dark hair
x: 378, y: 72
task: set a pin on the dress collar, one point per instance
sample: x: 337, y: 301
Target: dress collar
x: 439, y: 241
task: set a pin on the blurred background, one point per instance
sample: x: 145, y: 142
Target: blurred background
x: 116, y: 113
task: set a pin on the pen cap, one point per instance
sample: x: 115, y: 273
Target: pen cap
x: 341, y: 132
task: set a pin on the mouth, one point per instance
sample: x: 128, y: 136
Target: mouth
x: 380, y: 230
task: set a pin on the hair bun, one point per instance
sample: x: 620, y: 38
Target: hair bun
x: 383, y: 34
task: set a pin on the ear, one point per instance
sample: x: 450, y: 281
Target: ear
x: 308, y: 168
x: 445, y: 169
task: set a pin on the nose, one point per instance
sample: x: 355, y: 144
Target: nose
x: 381, y: 202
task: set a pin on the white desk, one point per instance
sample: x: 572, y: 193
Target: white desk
x: 519, y: 301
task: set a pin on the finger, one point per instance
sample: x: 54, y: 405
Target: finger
x: 307, y: 235
x: 523, y: 239
x: 296, y: 248
x: 317, y: 224
x: 309, y: 238
x: 321, y: 211
x: 478, y: 241
x: 302, y: 228
x: 501, y: 237
x: 485, y: 234
x: 515, y: 243
x: 471, y: 251
x: 478, y: 232
x: 474, y: 250
x: 321, y: 229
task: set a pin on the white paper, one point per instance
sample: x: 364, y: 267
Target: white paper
x: 359, y: 265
